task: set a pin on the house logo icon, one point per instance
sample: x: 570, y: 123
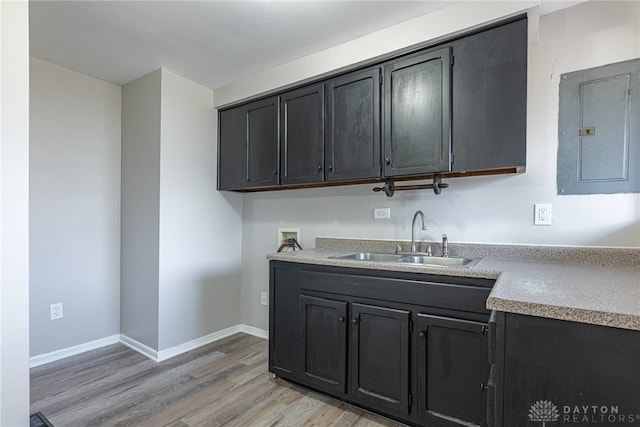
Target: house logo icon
x: 544, y: 411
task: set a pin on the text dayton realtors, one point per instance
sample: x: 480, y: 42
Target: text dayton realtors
x: 596, y: 414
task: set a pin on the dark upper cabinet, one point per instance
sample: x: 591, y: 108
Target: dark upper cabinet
x: 380, y: 357
x: 302, y: 135
x: 248, y: 145
x: 353, y: 126
x: 452, y: 371
x: 490, y: 98
x: 232, y: 149
x: 262, y: 143
x: 459, y: 107
x: 417, y: 114
x: 324, y: 343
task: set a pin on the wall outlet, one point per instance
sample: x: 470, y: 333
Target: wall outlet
x: 542, y: 214
x: 288, y: 233
x: 382, y: 213
x: 264, y: 298
x: 55, y: 311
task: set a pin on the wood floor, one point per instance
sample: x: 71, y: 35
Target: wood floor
x: 225, y: 383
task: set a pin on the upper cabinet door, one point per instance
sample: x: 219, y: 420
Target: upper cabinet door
x: 302, y: 135
x: 490, y: 99
x: 353, y: 126
x: 262, y: 143
x: 417, y: 114
x: 232, y: 149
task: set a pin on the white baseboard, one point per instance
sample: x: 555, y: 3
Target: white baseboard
x: 157, y: 356
x: 72, y: 351
x: 256, y: 332
x: 198, y: 342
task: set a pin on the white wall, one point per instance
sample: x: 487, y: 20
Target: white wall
x: 482, y: 209
x: 200, y: 228
x: 180, y: 237
x: 14, y: 213
x: 74, y: 200
x: 140, y: 219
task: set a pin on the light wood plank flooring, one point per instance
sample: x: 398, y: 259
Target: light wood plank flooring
x: 225, y: 383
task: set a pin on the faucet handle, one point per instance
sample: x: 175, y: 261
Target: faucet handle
x: 445, y: 246
x: 398, y: 248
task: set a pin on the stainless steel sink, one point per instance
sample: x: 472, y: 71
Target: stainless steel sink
x: 411, y: 259
x: 439, y: 261
x: 366, y: 256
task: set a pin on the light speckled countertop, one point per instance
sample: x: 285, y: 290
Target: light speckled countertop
x: 599, y: 286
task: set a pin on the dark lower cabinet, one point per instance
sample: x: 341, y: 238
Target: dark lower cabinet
x: 452, y: 371
x: 324, y: 343
x: 363, y: 336
x: 566, y: 373
x: 284, y: 331
x: 380, y: 357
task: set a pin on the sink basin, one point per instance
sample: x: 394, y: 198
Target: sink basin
x: 411, y: 259
x: 439, y: 261
x: 366, y: 256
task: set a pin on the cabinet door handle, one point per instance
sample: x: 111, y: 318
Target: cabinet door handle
x: 275, y: 173
x: 341, y: 319
x: 422, y: 334
x: 355, y: 321
x: 330, y: 167
x: 319, y: 168
x: 387, y: 161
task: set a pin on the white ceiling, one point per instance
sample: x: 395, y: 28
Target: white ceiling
x: 210, y: 42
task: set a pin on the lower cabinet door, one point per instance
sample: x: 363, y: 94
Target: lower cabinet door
x: 453, y: 371
x: 324, y: 343
x: 380, y: 357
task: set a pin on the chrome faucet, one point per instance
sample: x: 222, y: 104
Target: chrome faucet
x: 413, y: 226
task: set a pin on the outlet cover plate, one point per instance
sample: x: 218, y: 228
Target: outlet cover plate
x: 542, y: 214
x: 55, y: 311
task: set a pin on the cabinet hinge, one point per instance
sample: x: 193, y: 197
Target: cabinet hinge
x: 381, y: 79
x: 452, y: 158
x: 484, y: 330
x: 410, y: 400
x: 453, y: 60
x: 410, y: 326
